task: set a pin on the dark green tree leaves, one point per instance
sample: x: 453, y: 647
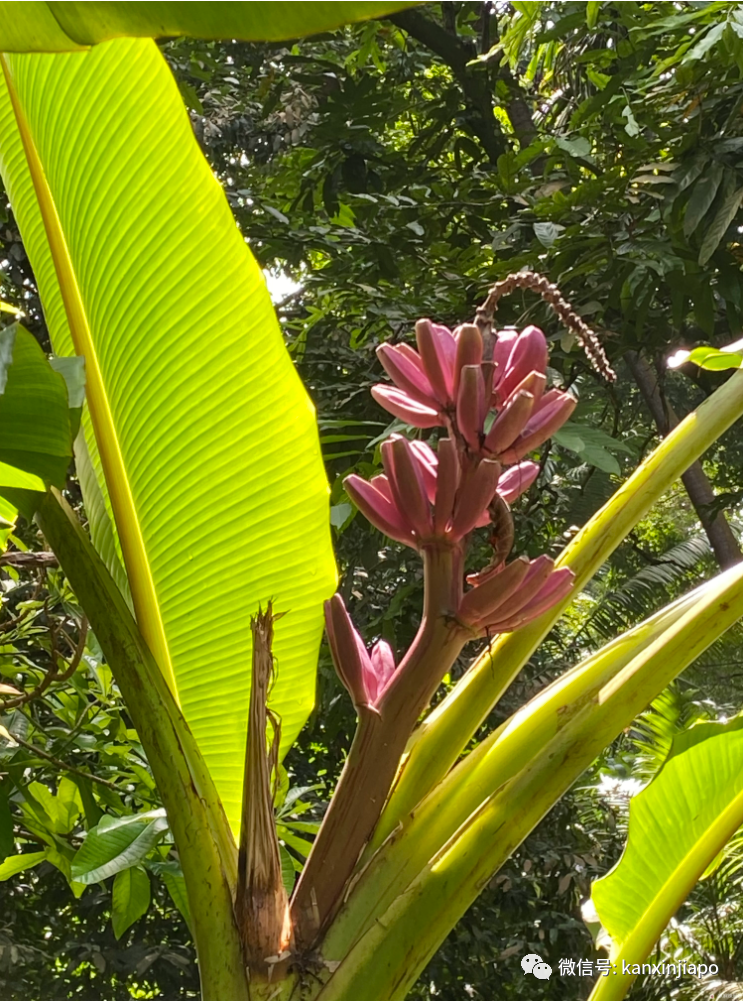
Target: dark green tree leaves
x: 116, y: 844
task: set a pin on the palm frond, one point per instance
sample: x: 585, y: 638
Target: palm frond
x: 618, y: 607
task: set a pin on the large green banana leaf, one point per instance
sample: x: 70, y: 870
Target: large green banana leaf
x: 62, y: 27
x: 205, y: 449
x: 677, y: 826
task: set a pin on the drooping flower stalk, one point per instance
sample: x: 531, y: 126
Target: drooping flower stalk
x: 552, y: 296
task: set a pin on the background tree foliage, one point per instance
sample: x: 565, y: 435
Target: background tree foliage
x: 386, y: 172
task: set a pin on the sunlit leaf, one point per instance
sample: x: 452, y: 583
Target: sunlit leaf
x: 116, y: 844
x: 17, y: 864
x: 288, y: 870
x: 678, y: 825
x: 714, y: 359
x: 200, y: 418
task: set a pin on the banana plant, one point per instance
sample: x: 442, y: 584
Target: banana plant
x: 193, y: 413
x: 681, y: 822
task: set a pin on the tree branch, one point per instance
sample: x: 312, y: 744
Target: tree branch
x: 720, y: 535
x: 53, y: 674
x: 518, y: 110
x: 33, y: 558
x: 475, y: 85
x: 30, y: 746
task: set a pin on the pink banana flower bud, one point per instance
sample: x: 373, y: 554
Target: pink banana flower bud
x: 509, y: 423
x: 407, y: 484
x: 534, y: 580
x: 484, y: 600
x: 469, y: 350
x: 424, y: 379
x: 403, y: 406
x: 399, y: 502
x: 457, y: 507
x: 365, y: 676
x: 534, y: 383
x: 517, y: 479
x: 379, y: 507
x: 447, y: 482
x: 472, y: 406
x: 427, y: 381
x: 556, y: 588
x: 473, y: 497
x: 422, y: 495
x: 428, y: 465
x: 405, y: 369
x: 528, y: 353
x: 514, y: 594
x: 553, y: 411
x: 438, y: 350
x: 381, y: 483
x: 505, y: 340
x: 383, y: 664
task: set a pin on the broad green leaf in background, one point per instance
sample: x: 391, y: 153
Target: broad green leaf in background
x: 288, y: 870
x: 61, y: 856
x: 689, y: 171
x: 724, y: 216
x: 17, y: 864
x: 578, y: 147
x: 172, y: 875
x: 90, y: 807
x: 702, y: 196
x: 59, y: 811
x: 59, y: 27
x: 547, y: 233
x: 116, y: 844
x: 130, y: 898
x: 715, y: 359
x: 7, y: 833
x: 7, y: 520
x: 592, y: 445
x: 706, y: 42
x: 35, y: 433
x: 678, y: 824
x: 205, y: 434
x: 72, y: 370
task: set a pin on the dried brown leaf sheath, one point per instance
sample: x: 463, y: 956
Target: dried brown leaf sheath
x: 262, y: 906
